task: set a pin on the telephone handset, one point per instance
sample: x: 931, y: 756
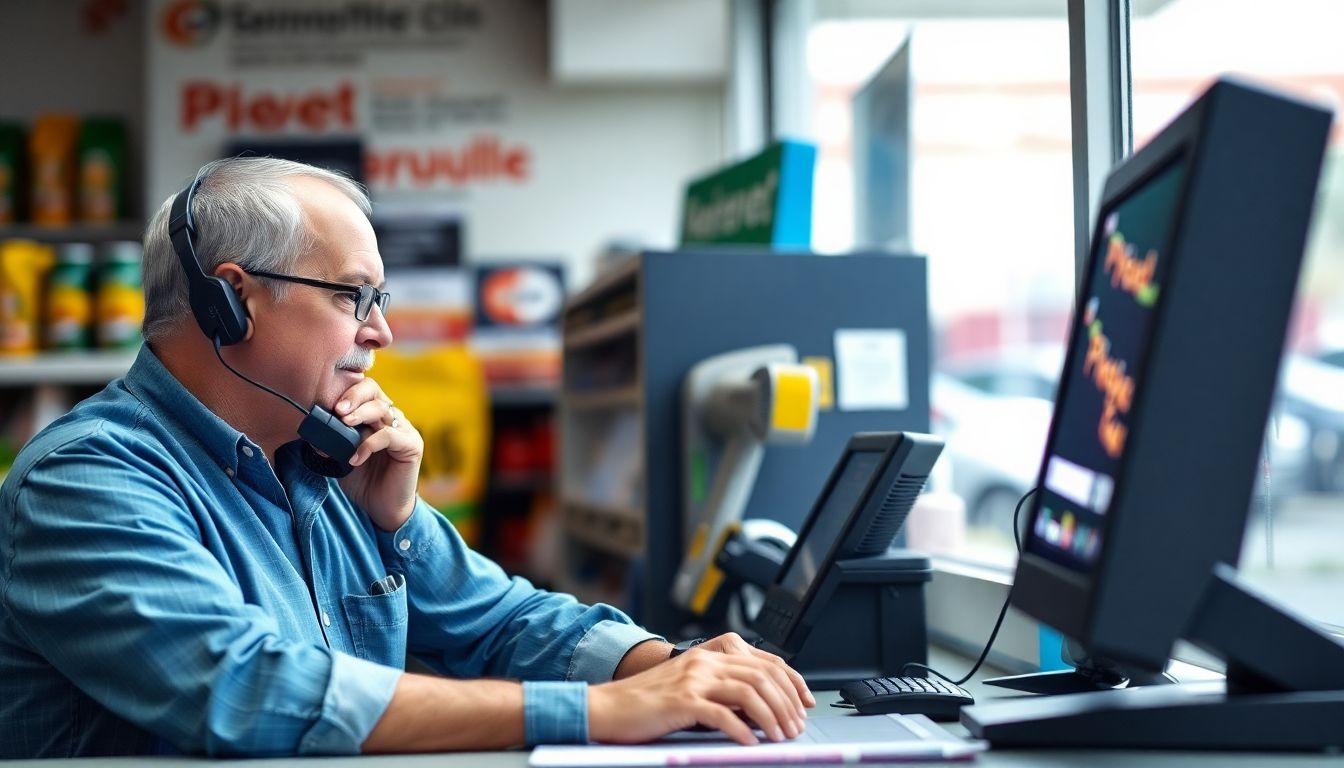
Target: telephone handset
x: 323, y: 433
x: 222, y: 318
x: 328, y: 443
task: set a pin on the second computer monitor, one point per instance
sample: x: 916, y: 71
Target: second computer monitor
x: 1170, y: 372
x: 858, y: 512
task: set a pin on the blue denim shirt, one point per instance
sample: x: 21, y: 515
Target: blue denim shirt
x: 163, y: 587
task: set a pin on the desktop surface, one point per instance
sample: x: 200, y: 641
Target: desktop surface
x: 939, y: 658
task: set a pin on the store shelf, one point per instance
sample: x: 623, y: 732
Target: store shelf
x: 522, y: 394
x: 58, y: 368
x: 619, y: 397
x: 619, y: 530
x: 74, y: 233
x: 602, y: 331
x: 520, y: 482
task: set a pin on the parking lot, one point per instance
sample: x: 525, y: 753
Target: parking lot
x: 1305, y: 567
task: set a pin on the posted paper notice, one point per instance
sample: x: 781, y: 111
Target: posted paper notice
x: 872, y: 373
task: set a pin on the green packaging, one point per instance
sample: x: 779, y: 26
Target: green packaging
x: 102, y: 170
x: 12, y: 155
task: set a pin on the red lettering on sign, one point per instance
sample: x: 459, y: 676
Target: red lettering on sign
x: 314, y: 111
x: 484, y: 159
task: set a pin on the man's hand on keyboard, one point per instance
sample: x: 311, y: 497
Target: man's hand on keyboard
x: 716, y: 684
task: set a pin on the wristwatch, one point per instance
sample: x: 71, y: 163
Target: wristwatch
x: 684, y: 646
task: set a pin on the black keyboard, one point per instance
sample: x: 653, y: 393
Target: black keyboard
x: 929, y: 696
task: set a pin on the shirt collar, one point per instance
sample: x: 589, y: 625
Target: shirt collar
x: 183, y: 413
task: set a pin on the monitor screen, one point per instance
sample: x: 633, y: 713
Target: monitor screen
x: 1106, y: 360
x: 824, y: 527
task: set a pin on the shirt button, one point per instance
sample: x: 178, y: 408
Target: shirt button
x: 228, y: 471
x: 405, y: 544
x: 247, y: 451
x: 326, y: 619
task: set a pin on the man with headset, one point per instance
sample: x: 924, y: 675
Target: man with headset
x: 179, y: 572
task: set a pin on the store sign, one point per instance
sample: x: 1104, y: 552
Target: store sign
x: 763, y: 200
x: 263, y: 110
x: 391, y: 73
x: 519, y: 296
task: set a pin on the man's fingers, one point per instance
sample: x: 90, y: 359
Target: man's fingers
x: 748, y: 699
x: 779, y: 695
x: 795, y: 679
x: 372, y: 412
x: 726, y: 720
x: 753, y: 668
x: 362, y: 392
x: 790, y: 698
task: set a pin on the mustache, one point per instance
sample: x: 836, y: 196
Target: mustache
x: 356, y: 359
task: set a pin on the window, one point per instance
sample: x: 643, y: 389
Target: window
x: 1297, y: 520
x: 975, y: 113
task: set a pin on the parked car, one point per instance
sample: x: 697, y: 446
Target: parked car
x: 1311, y: 391
x: 993, y: 447
x: 994, y: 411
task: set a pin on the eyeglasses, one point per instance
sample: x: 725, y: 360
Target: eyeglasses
x: 365, y: 295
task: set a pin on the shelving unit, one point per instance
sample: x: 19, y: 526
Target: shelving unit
x: 40, y: 387
x: 64, y: 368
x: 74, y: 233
x: 628, y: 341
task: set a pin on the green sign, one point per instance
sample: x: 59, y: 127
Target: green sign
x: 763, y: 200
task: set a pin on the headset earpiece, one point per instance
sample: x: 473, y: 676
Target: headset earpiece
x: 221, y: 315
x: 215, y: 304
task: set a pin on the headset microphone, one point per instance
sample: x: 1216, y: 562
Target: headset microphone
x: 222, y: 318
x: 320, y: 430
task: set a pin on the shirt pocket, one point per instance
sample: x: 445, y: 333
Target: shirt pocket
x: 378, y: 626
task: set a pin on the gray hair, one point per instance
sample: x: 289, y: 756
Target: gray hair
x: 245, y: 212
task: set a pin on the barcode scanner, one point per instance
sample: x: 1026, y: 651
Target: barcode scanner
x: 329, y: 444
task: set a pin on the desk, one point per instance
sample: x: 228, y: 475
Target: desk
x: 941, y: 659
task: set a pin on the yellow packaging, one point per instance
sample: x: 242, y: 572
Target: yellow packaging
x: 23, y: 269
x: 51, y: 150
x: 442, y: 391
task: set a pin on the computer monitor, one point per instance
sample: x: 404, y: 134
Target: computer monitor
x: 1145, y: 485
x: 857, y: 514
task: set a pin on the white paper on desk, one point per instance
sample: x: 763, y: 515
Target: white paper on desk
x: 843, y: 739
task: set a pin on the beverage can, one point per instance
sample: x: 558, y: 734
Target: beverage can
x: 121, y: 296
x: 69, y: 308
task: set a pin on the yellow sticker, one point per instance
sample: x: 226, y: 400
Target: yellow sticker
x: 825, y: 385
x: 793, y: 401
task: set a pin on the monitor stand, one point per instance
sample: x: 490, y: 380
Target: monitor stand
x: 1090, y: 673
x: 1284, y: 691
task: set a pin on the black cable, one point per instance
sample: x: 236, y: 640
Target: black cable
x: 994, y: 633
x: 235, y: 372
x: 307, y: 571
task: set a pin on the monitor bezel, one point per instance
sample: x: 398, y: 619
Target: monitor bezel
x: 1067, y: 592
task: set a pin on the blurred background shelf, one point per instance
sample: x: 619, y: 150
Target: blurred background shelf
x: 522, y: 395
x: 74, y: 233
x: 65, y: 368
x: 605, y: 398
x: 603, y: 330
x: 617, y: 530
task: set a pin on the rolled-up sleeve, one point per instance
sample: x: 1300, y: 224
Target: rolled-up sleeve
x: 107, y: 574
x: 601, y: 649
x: 357, y: 694
x: 470, y: 619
